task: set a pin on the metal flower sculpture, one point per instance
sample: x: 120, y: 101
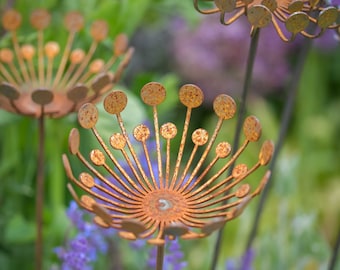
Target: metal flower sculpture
x: 289, y: 17
x: 40, y: 79
x: 176, y: 200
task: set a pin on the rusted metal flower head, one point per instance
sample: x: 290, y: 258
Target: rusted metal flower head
x: 175, y: 200
x: 40, y: 78
x: 289, y: 17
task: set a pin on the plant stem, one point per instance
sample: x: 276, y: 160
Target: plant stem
x: 240, y: 119
x: 40, y: 192
x: 160, y: 257
x: 335, y: 252
x: 288, y: 109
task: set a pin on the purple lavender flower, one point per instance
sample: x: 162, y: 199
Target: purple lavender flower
x: 214, y: 57
x: 173, y: 257
x: 81, y: 251
x: 245, y: 262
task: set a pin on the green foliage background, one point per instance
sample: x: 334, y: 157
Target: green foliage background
x: 302, y: 216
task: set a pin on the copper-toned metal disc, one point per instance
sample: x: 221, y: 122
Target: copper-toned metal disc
x: 242, y: 191
x: 77, y: 56
x: 96, y: 66
x: 200, y: 137
x: 239, y: 209
x: 74, y: 21
x: 193, y: 235
x: 97, y: 157
x: 297, y: 22
x: 100, y: 222
x: 74, y: 141
x: 295, y: 6
x: 239, y: 170
x: 118, y: 141
x: 42, y: 96
x: 191, y: 95
x: 266, y: 152
x: 100, y: 82
x: 101, y: 212
x: 127, y: 235
x: 6, y: 55
x: 27, y: 51
x: 99, y: 30
x: 225, y: 5
x: 224, y: 106
x: 52, y: 49
x: 115, y: 102
x: 270, y: 4
x: 88, y: 115
x: 328, y: 16
x: 214, y: 225
x: 40, y: 19
x: 252, y: 128
x: 156, y: 241
x: 168, y: 130
x: 176, y: 229
x: 153, y: 93
x: 77, y: 93
x: 11, y: 20
x: 259, y: 16
x: 223, y: 149
x: 9, y: 91
x: 120, y: 44
x: 88, y: 201
x: 141, y: 133
x: 86, y: 179
x: 133, y: 226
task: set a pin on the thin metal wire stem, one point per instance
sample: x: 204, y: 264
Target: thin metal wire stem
x: 292, y: 89
x: 160, y: 257
x: 335, y: 252
x: 240, y: 119
x: 40, y: 192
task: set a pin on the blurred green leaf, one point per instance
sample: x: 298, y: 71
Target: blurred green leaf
x: 19, y: 230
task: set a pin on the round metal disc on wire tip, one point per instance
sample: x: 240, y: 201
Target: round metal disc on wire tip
x: 297, y: 22
x: 42, y: 96
x: 88, y: 115
x: 213, y: 225
x: 252, y: 128
x: 168, y: 130
x: 224, y: 107
x: 74, y: 141
x: 40, y: 19
x: 74, y: 21
x: 141, y: 133
x: 191, y: 95
x: 239, y: 170
x: 153, y: 93
x: 77, y: 93
x: 133, y: 226
x: 97, y: 157
x: 225, y: 5
x: 223, y: 149
x: 259, y: 16
x: 266, y: 152
x: 115, y: 102
x: 327, y: 17
x: 9, y: 91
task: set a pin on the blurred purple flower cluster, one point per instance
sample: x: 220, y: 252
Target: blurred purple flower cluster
x: 81, y: 251
x: 173, y: 258
x: 245, y: 263
x: 214, y: 57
